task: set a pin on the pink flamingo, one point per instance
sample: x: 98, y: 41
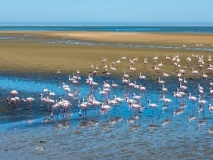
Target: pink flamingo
x: 13, y: 101
x: 14, y: 93
x: 28, y: 100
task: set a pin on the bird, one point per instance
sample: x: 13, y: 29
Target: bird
x: 166, y: 100
x: 13, y: 101
x: 194, y: 72
x: 164, y: 89
x: 28, y: 100
x: 160, y: 81
x: 45, y: 100
x: 210, y: 108
x: 114, y: 85
x: 128, y: 100
x: 105, y: 107
x: 136, y: 97
x: 192, y: 98
x: 83, y: 106
x: 14, y: 92
x: 118, y: 99
x: 183, y: 87
x: 52, y: 94
x: 125, y: 75
x: 168, y: 58
x: 201, y: 101
x: 153, y: 106
x: 142, y: 77
x: 137, y: 107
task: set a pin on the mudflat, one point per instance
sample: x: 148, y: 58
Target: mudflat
x: 33, y: 54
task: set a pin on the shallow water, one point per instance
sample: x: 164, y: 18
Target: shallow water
x: 117, y: 135
x: 92, y: 43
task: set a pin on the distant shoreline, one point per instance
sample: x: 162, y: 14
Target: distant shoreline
x: 207, y: 29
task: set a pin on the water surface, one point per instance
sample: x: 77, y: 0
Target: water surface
x: 117, y: 135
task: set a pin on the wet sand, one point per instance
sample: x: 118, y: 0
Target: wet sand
x: 31, y: 55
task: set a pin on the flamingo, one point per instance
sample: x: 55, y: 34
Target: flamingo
x: 177, y: 95
x: 102, y: 92
x: 106, y: 85
x: 125, y: 75
x: 52, y: 94
x: 155, y: 58
x: 83, y: 106
x: 44, y: 100
x: 14, y: 92
x: 136, y: 97
x: 166, y: 100
x: 204, y: 75
x: 192, y: 98
x: 104, y: 60
x: 153, y: 106
x: 194, y: 72
x: 165, y: 74
x: 160, y: 81
x: 137, y: 107
x: 118, y: 99
x: 142, y: 88
x: 114, y: 85
x: 182, y: 86
x: 201, y: 102
x: 65, y: 106
x: 125, y: 81
x: 164, y: 89
x: 184, y: 80
x: 157, y: 69
x: 58, y: 72
x: 142, y: 77
x: 160, y: 64
x: 210, y: 108
x: 13, y: 101
x: 188, y: 59
x: 145, y: 62
x: 28, y: 100
x: 105, y: 107
x: 54, y: 108
x: 168, y: 58
x: 95, y: 103
x: 130, y: 100
x: 113, y: 69
x: 112, y: 102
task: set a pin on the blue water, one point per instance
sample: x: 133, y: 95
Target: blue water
x: 164, y: 29
x: 90, y: 43
x: 117, y: 135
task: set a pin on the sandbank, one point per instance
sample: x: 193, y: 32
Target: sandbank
x: 33, y: 56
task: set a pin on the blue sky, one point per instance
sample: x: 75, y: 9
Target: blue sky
x: 116, y: 11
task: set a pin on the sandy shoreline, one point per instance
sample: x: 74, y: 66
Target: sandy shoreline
x: 128, y: 37
x: 31, y: 55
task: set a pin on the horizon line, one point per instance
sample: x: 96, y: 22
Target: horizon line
x: 106, y: 23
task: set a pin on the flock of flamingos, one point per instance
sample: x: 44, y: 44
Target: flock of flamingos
x: 102, y: 95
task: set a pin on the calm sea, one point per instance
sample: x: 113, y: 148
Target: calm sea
x: 170, y: 29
